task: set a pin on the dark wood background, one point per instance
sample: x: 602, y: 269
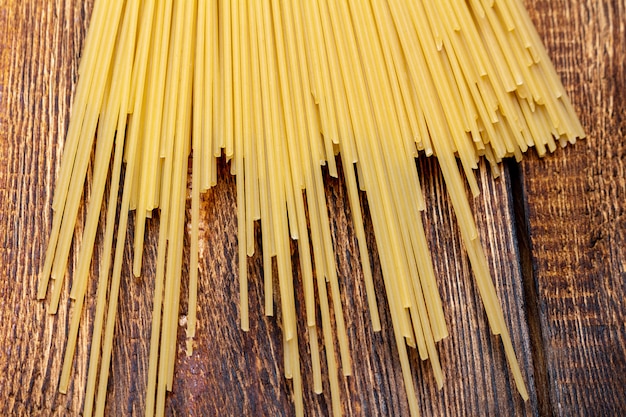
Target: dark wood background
x: 555, y: 231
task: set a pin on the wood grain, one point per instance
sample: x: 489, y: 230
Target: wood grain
x: 570, y: 212
x: 576, y: 205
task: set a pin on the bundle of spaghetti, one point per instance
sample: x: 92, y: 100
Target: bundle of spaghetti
x: 279, y: 89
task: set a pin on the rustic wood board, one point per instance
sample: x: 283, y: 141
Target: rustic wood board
x: 563, y: 290
x: 575, y: 205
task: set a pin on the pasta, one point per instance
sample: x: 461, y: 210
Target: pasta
x: 280, y: 89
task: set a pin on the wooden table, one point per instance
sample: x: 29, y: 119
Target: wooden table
x: 555, y: 229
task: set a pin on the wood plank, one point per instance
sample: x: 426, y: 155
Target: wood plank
x: 41, y: 42
x: 576, y: 215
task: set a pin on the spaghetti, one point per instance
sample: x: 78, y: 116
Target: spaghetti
x: 280, y: 88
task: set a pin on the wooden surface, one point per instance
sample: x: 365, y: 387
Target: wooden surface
x: 555, y: 231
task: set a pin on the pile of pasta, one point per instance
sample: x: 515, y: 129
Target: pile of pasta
x: 280, y: 89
